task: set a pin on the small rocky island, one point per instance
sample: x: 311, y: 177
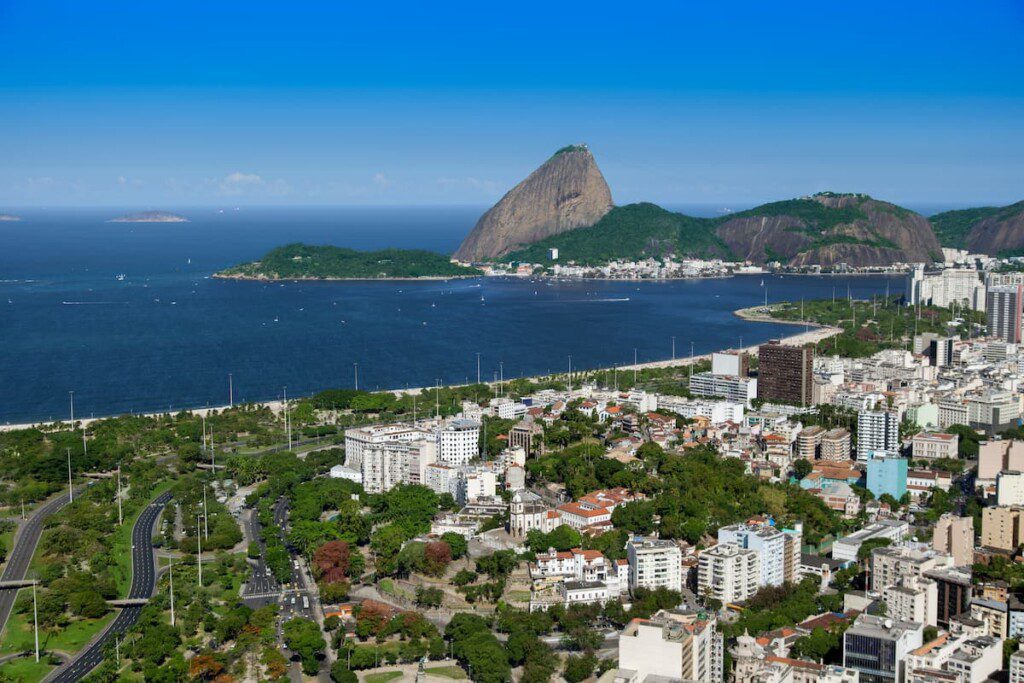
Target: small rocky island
x: 149, y: 217
x: 307, y: 262
x: 9, y: 218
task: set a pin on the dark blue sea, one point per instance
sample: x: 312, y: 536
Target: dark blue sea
x: 167, y: 336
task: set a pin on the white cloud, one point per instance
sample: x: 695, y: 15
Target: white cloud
x: 252, y: 184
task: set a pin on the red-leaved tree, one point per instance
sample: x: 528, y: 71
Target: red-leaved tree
x: 331, y: 561
x: 436, y: 556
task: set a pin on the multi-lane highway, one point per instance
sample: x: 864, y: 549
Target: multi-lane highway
x: 143, y: 586
x: 25, y: 541
x: 262, y: 588
x: 297, y: 601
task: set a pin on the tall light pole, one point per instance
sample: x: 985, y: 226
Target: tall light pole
x: 634, y: 365
x: 170, y: 574
x: 72, y: 395
x: 691, y: 359
x: 673, y: 348
x: 199, y: 551
x: 35, y: 618
x: 569, y: 376
x: 231, y: 391
x: 120, y: 515
x: 206, y: 516
x: 71, y: 490
x: 478, y: 367
x: 501, y: 376
x: 355, y: 369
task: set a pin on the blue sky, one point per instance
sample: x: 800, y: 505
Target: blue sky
x: 732, y: 103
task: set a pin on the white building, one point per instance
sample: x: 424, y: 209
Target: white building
x: 441, y: 478
x: 728, y: 573
x: 458, y: 442
x: 476, y: 484
x: 768, y: 542
x: 654, y: 563
x: 1010, y: 488
x: 729, y: 387
x: 877, y: 430
x: 934, y: 445
x: 846, y: 547
x: 358, y: 438
x: 342, y: 472
x: 913, y: 599
x: 1017, y: 665
x: 891, y: 565
x: 951, y: 285
x: 671, y: 646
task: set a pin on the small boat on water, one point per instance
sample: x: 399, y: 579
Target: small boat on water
x: 120, y: 277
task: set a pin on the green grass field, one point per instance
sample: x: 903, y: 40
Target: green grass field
x: 453, y: 672
x: 18, y: 636
x: 25, y: 670
x: 383, y: 677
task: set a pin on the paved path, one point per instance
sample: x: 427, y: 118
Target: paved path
x: 26, y: 538
x: 143, y: 586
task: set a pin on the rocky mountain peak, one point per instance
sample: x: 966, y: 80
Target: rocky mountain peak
x: 566, y: 192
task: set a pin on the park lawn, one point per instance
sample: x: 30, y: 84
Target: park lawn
x: 453, y: 672
x: 26, y: 669
x: 122, y: 545
x: 386, y: 586
x: 519, y: 596
x: 18, y: 636
x: 383, y: 677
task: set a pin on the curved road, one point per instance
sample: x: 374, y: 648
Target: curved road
x: 143, y: 586
x: 25, y: 541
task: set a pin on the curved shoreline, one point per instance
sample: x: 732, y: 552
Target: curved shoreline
x: 809, y: 336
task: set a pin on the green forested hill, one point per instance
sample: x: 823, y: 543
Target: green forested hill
x: 303, y: 261
x: 631, y: 232
x: 951, y: 227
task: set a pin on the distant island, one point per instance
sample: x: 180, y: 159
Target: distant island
x: 149, y: 217
x: 8, y: 218
x: 307, y: 262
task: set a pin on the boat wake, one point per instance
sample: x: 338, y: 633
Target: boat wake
x: 95, y: 303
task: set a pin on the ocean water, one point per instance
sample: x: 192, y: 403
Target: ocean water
x: 167, y: 336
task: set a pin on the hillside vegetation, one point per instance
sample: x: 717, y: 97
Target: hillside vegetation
x: 302, y: 261
x: 631, y: 232
x: 952, y: 227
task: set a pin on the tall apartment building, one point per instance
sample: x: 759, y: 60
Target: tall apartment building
x: 808, y: 442
x: 458, y: 442
x: 890, y: 565
x: 1003, y: 312
x: 835, y: 445
x: 785, y: 373
x: 877, y: 430
x: 953, y: 593
x: 877, y: 647
x: 728, y: 573
x: 993, y: 411
x: 767, y: 541
x: 672, y: 646
x: 1001, y: 527
x: 654, y: 563
x: 730, y: 387
x: 732, y: 363
x: 937, y: 348
x: 887, y: 474
x: 1017, y: 665
x: 528, y: 435
x: 358, y: 438
x: 961, y: 286
x: 955, y: 536
x: 935, y: 445
x: 914, y: 598
x: 388, y: 464
x: 996, y: 456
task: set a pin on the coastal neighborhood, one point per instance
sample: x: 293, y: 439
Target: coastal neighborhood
x: 549, y: 342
